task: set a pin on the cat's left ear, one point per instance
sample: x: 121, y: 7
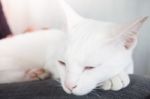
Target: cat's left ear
x: 72, y: 17
x: 130, y: 32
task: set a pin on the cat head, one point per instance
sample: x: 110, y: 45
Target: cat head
x: 95, y: 51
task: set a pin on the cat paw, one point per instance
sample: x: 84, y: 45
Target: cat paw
x: 116, y: 83
x: 37, y: 74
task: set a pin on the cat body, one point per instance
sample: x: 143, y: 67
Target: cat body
x: 89, y: 54
x: 18, y: 54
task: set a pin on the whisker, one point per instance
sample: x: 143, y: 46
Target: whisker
x: 57, y: 80
x: 58, y: 83
x: 94, y: 92
x: 98, y: 88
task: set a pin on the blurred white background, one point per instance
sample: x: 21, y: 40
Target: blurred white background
x: 47, y: 13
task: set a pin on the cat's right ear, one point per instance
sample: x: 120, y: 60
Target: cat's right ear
x: 129, y: 33
x: 72, y: 17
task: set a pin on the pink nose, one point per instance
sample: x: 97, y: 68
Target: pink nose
x: 70, y: 86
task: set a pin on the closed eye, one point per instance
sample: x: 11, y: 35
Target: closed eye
x: 88, y: 68
x: 62, y: 63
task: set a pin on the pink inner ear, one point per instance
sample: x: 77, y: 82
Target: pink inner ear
x: 130, y: 34
x: 129, y: 42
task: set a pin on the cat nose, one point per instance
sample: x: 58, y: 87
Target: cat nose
x: 70, y: 86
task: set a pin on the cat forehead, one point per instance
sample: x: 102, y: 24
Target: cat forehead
x: 91, y: 32
x: 88, y: 55
x: 89, y: 52
x: 92, y: 28
x: 90, y: 39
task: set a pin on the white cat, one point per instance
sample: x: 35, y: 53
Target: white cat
x: 90, y: 54
x: 97, y: 53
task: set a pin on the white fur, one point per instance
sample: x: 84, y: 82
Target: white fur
x: 117, y: 82
x: 100, y: 45
x: 87, y: 43
x: 27, y: 51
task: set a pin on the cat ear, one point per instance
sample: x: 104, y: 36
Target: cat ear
x: 72, y: 16
x: 130, y: 32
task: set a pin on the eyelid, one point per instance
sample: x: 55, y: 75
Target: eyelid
x: 91, y: 67
x: 88, y: 68
x: 61, y: 62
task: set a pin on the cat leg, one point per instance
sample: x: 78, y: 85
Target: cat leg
x: 117, y: 82
x: 21, y: 75
x: 15, y: 71
x: 37, y: 74
x: 12, y: 75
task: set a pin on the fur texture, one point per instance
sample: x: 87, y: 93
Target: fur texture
x: 97, y: 53
x: 90, y: 54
